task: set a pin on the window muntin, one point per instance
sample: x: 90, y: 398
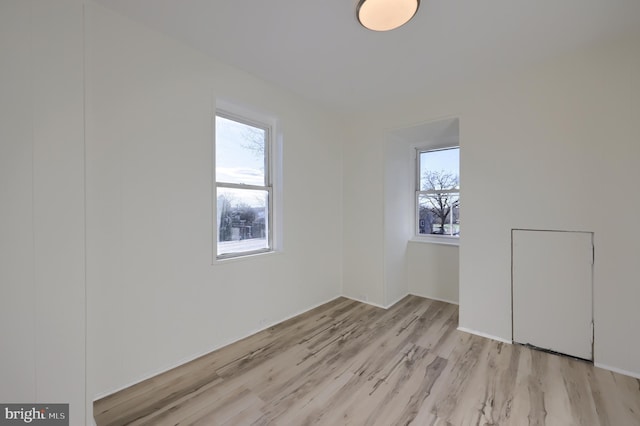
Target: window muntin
x: 244, y: 192
x: 438, y: 192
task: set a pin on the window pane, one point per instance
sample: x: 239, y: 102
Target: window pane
x: 240, y: 153
x: 243, y: 218
x: 439, y: 169
x: 439, y: 214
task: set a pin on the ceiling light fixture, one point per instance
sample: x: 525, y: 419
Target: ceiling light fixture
x: 385, y: 15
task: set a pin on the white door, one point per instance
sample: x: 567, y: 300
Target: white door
x: 552, y: 291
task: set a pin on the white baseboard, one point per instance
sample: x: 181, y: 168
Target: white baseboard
x: 376, y: 304
x: 435, y: 298
x: 399, y: 299
x: 396, y: 301
x: 207, y: 351
x: 634, y: 374
x: 368, y: 302
x: 481, y: 334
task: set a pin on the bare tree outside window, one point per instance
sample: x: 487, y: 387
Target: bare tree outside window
x: 438, y: 193
x: 253, y: 140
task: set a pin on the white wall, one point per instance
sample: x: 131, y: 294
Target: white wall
x: 425, y: 269
x: 381, y: 265
x: 379, y: 180
x: 363, y: 229
x: 537, y: 148
x: 412, y: 265
x: 433, y: 271
x: 42, y: 308
x: 398, y: 218
x: 16, y: 185
x: 567, y: 137
x: 154, y: 297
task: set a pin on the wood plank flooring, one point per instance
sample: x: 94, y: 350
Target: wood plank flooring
x: 348, y: 363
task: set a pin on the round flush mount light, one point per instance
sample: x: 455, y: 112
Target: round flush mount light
x: 385, y: 15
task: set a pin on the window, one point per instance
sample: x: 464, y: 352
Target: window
x: 438, y: 192
x: 244, y: 192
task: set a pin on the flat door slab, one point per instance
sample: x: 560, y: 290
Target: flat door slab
x: 552, y: 290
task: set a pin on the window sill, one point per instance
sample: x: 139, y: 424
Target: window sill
x: 245, y: 257
x: 440, y: 239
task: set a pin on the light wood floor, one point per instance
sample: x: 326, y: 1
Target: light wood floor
x: 347, y: 363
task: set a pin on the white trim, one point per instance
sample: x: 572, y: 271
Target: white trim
x: 248, y: 120
x: 420, y: 149
x: 245, y: 256
x: 190, y: 358
x: 397, y: 300
x: 273, y: 177
x: 366, y: 302
x: 277, y: 186
x: 633, y: 374
x: 242, y: 186
x: 435, y: 298
x: 481, y: 334
x: 433, y: 145
x: 377, y: 305
x: 245, y: 111
x: 439, y: 239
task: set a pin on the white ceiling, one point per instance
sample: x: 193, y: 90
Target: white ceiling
x: 318, y: 50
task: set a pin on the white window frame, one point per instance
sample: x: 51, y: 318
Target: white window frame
x: 268, y: 126
x: 431, y: 238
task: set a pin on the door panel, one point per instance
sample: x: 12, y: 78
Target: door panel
x: 552, y: 290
